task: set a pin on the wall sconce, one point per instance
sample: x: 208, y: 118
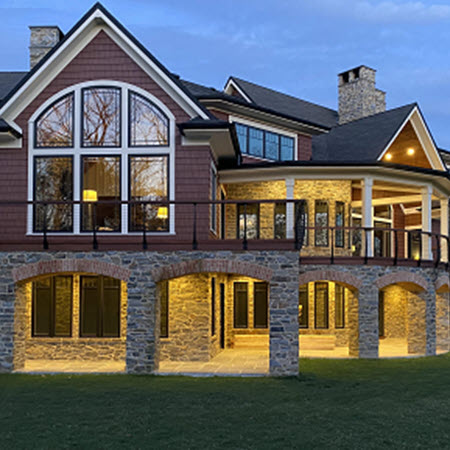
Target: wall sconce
x: 89, y: 195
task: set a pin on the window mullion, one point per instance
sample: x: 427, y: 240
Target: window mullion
x: 124, y: 160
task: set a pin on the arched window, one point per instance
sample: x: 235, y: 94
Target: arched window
x: 100, y: 144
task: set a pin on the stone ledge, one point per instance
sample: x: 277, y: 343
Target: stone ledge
x: 330, y: 275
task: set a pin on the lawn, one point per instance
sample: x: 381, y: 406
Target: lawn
x: 331, y: 404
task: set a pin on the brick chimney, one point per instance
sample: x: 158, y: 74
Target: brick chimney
x: 358, y: 96
x: 42, y: 40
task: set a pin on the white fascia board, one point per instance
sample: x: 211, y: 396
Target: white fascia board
x: 233, y: 85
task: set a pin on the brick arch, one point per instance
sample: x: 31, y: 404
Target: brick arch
x: 212, y: 265
x: 331, y: 275
x: 443, y: 283
x: 401, y: 277
x: 70, y: 265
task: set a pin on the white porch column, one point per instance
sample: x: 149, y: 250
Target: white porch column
x: 444, y: 229
x: 367, y: 216
x: 426, y: 222
x: 290, y: 219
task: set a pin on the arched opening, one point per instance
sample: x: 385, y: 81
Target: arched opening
x: 70, y: 322
x: 213, y: 322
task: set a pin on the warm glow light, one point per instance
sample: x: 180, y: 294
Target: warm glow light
x: 388, y: 156
x: 89, y: 195
x: 416, y: 256
x: 410, y: 151
x: 163, y: 212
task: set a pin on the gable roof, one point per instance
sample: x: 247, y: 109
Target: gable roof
x: 287, y: 104
x: 362, y: 140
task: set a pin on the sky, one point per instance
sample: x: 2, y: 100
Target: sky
x: 294, y: 46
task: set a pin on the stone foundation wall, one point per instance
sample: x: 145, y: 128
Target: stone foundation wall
x: 442, y: 321
x: 396, y: 301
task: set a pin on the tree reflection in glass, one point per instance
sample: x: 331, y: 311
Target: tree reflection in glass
x: 53, y: 182
x: 149, y: 182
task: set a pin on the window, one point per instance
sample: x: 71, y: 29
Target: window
x: 260, y: 305
x: 302, y: 208
x: 100, y: 306
x: 321, y: 305
x: 53, y: 182
x: 149, y: 182
x: 248, y: 220
x: 321, y: 223
x: 280, y: 221
x: 240, y: 305
x: 83, y: 148
x: 54, y: 127
x: 213, y: 306
x: 339, y: 306
x: 52, y: 307
x: 339, y: 222
x: 303, y: 307
x: 265, y: 144
x: 164, y: 309
x: 213, y: 194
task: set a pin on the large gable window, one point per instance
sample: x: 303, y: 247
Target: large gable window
x: 106, y: 150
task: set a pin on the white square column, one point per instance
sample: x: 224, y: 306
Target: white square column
x: 427, y: 253
x: 290, y: 213
x: 367, y: 216
x: 444, y: 229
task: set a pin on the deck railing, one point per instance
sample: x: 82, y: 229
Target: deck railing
x: 342, y: 243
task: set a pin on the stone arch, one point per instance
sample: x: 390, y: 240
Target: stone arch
x: 443, y: 283
x: 331, y: 275
x: 94, y: 266
x: 212, y: 265
x: 402, y: 277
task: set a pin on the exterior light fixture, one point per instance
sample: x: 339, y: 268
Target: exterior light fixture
x: 410, y: 151
x: 163, y: 212
x: 388, y: 156
x: 89, y: 195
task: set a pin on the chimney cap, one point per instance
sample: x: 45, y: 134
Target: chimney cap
x: 356, y: 68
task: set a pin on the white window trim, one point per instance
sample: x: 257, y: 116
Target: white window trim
x: 124, y: 151
x: 265, y: 127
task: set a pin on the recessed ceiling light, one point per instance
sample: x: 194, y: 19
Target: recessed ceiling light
x: 388, y: 156
x: 410, y: 151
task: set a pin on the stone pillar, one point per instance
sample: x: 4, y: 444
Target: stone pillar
x: 444, y: 229
x: 442, y: 321
x: 426, y: 222
x: 142, y: 327
x: 353, y: 324
x: 290, y: 210
x: 367, y: 216
x: 417, y: 323
x: 368, y: 321
x: 7, y: 330
x: 283, y: 306
x: 429, y: 297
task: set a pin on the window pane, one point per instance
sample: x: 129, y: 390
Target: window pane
x: 101, y: 182
x: 272, y: 145
x: 280, y: 221
x: 240, y: 305
x: 148, y: 124
x: 340, y: 218
x: 260, y: 305
x: 251, y: 212
x: 53, y: 181
x: 287, y: 148
x: 54, y: 127
x: 101, y: 117
x: 303, y: 307
x: 321, y: 224
x: 164, y: 313
x: 149, y: 182
x: 111, y: 307
x: 339, y: 309
x: 63, y: 305
x: 213, y: 306
x: 301, y: 209
x: 255, y: 142
x: 321, y: 305
x: 90, y: 298
x: 242, y: 132
x: 42, y: 303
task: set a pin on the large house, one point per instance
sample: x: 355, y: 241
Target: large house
x: 150, y: 224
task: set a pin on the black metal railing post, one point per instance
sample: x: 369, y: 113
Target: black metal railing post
x: 144, y: 230
x: 447, y: 239
x: 45, y: 242
x: 244, y: 241
x: 194, y: 230
x: 94, y: 226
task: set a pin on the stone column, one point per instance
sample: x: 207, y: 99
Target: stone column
x: 142, y: 326
x: 22, y: 323
x: 429, y: 297
x: 418, y: 323
x: 290, y: 210
x: 442, y: 321
x: 7, y: 331
x: 444, y: 229
x: 353, y: 325
x: 368, y: 321
x: 367, y: 216
x: 283, y: 306
x: 426, y: 222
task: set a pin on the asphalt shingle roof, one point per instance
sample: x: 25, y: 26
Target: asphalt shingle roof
x: 8, y: 81
x: 362, y: 140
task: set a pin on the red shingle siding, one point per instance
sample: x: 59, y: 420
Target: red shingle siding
x: 304, y: 144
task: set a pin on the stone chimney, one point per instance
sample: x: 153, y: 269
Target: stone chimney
x: 358, y: 96
x: 42, y: 40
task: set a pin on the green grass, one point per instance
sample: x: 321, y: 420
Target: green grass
x: 331, y: 404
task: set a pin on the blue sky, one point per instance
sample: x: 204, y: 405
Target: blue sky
x: 294, y: 46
